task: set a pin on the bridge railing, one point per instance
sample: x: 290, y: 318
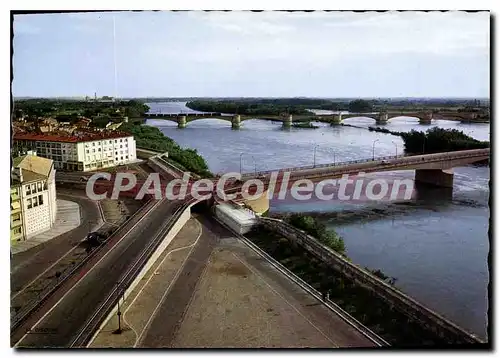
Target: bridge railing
x: 410, y: 160
x: 336, y: 164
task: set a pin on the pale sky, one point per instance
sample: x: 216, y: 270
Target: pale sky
x: 267, y: 54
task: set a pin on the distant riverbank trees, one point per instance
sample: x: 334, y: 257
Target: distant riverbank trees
x: 65, y: 110
x: 435, y: 140
x: 277, y: 106
x: 152, y: 138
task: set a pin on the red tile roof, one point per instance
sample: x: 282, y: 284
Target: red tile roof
x: 82, y: 137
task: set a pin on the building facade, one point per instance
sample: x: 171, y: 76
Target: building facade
x: 33, y: 196
x: 79, y: 153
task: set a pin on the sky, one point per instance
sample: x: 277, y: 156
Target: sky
x: 245, y: 54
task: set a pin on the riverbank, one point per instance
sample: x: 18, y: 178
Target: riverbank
x: 152, y: 138
x: 438, y: 251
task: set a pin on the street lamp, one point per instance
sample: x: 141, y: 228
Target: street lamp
x: 373, y: 150
x: 393, y: 142
x: 241, y: 155
x: 314, y: 160
x: 254, y: 166
x: 119, y: 313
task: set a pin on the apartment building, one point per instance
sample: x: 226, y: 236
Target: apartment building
x: 84, y: 152
x: 32, y: 197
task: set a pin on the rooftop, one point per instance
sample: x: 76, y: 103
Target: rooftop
x: 33, y: 167
x: 61, y: 137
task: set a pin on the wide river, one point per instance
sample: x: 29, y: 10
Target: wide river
x: 436, y: 249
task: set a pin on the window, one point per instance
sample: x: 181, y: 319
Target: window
x: 35, y: 201
x: 39, y: 186
x: 121, y: 146
x: 93, y: 150
x: 87, y: 151
x: 93, y: 144
x: 17, y: 230
x: 99, y: 149
x: 29, y: 204
x: 116, y: 158
x: 126, y: 157
x: 28, y: 190
x: 121, y: 140
x: 40, y: 199
x: 116, y: 141
x: 116, y: 153
x: 121, y: 158
x: 33, y: 188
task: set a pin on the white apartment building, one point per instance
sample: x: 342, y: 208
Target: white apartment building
x: 33, y: 196
x: 86, y: 152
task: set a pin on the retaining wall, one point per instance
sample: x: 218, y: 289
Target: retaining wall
x: 179, y: 224
x: 414, y: 310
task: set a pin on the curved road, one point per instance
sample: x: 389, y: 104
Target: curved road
x: 78, y: 298
x: 27, y: 265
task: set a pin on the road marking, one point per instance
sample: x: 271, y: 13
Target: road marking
x: 50, y: 267
x: 149, y: 279
x: 168, y: 288
x: 43, y: 273
x: 284, y: 299
x: 86, y: 273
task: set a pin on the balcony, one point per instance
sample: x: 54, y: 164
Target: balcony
x: 15, y: 223
x: 16, y: 236
x: 15, y: 207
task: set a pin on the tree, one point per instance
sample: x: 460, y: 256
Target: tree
x: 360, y: 106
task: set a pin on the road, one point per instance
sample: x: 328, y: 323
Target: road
x: 227, y: 296
x: 167, y: 319
x: 78, y: 298
x: 27, y: 265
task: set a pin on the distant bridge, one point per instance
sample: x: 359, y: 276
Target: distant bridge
x: 337, y: 118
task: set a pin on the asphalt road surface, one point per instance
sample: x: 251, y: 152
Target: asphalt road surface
x: 73, y: 305
x: 27, y: 265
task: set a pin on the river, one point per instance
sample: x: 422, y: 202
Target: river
x: 436, y: 249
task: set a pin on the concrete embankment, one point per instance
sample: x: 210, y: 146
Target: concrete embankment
x: 430, y: 320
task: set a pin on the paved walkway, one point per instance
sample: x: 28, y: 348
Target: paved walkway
x: 67, y: 218
x: 143, y: 301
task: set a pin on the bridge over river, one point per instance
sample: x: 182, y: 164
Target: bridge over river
x: 337, y: 118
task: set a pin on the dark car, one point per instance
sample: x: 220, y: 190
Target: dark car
x: 96, y: 238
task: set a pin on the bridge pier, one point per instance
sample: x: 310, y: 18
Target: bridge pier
x: 383, y: 118
x: 287, y: 121
x: 181, y: 122
x: 337, y: 119
x: 236, y: 122
x: 435, y: 177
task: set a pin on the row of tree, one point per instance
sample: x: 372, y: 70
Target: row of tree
x: 152, y: 138
x: 435, y: 140
x: 277, y: 106
x: 67, y: 110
